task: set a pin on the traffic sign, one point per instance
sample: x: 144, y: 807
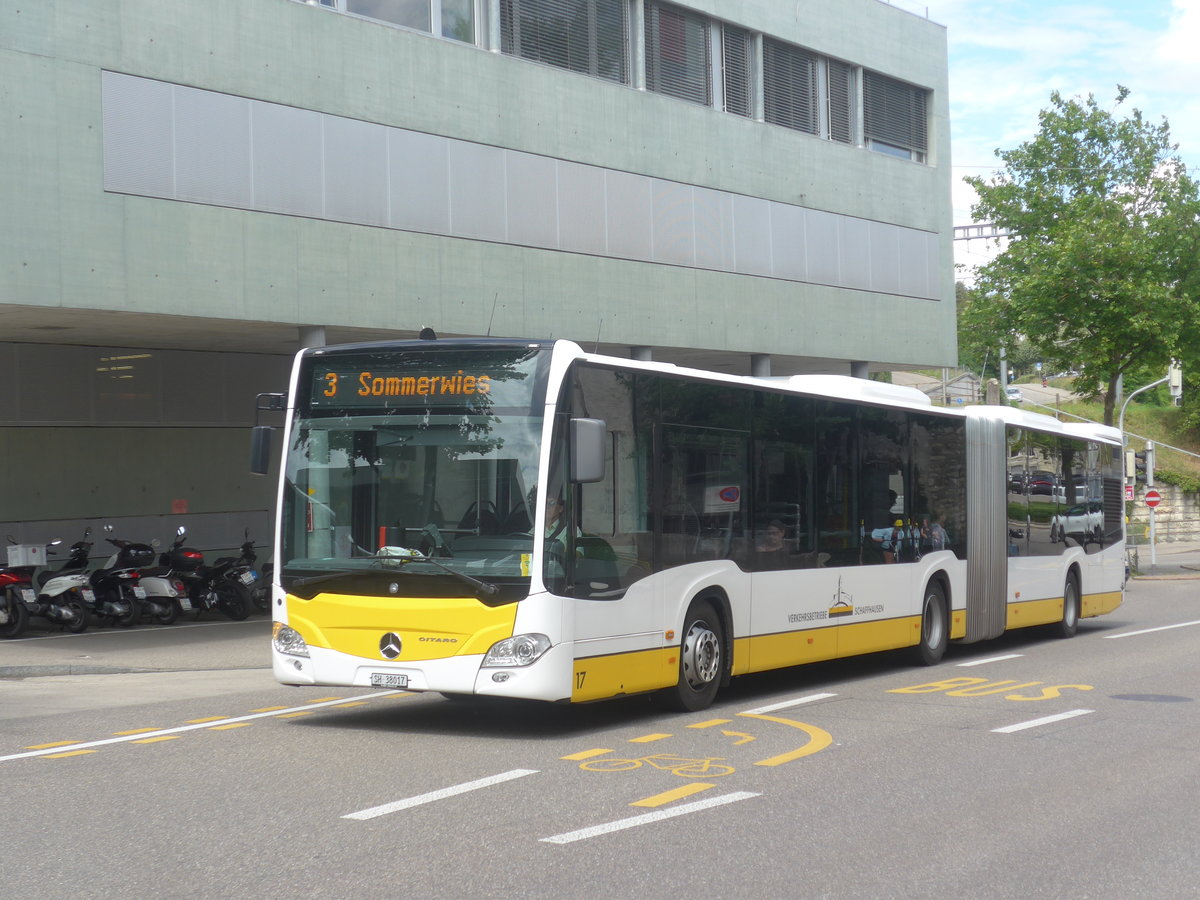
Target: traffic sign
x: 1129, y: 492
x: 1152, y: 498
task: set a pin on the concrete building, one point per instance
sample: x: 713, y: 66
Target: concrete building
x: 192, y: 191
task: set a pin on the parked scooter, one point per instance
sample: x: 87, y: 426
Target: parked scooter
x: 119, y: 594
x: 64, y: 594
x: 166, y: 595
x: 244, y: 568
x: 16, y: 590
x: 218, y: 586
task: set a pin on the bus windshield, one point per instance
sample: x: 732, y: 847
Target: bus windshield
x: 414, y: 462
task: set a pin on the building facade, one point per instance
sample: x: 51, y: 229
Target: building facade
x: 193, y: 191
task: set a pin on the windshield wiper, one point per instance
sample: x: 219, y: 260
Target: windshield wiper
x: 481, y: 587
x: 395, y: 563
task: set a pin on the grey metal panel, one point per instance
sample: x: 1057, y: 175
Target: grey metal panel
x: 854, y: 253
x: 477, y: 191
x: 138, y: 143
x: 752, y: 235
x: 42, y: 371
x: 674, y: 223
x: 714, y: 229
x: 531, y: 183
x: 987, y: 529
x: 212, y: 148
x: 821, y: 247
x: 885, y: 258
x: 356, y: 171
x: 419, y: 181
x: 287, y: 166
x: 629, y: 215
x: 582, y: 219
x: 913, y: 269
x: 788, y: 257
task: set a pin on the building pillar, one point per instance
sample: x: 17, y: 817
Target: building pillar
x: 642, y: 354
x: 760, y: 365
x: 312, y: 335
x: 859, y: 369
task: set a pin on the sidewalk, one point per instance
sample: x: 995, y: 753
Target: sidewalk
x: 1178, y: 560
x: 192, y: 647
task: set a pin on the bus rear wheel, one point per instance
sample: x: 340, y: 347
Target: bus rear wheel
x: 935, y: 626
x: 701, y: 660
x: 1070, y: 620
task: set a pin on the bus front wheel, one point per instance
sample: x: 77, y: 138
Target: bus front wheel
x: 701, y: 660
x: 935, y: 626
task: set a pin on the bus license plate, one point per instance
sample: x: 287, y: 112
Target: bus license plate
x: 388, y: 680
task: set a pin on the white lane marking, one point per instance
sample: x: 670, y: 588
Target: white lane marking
x: 786, y: 703
x: 647, y: 818
x: 432, y: 796
x: 215, y: 722
x: 1034, y: 723
x: 990, y: 659
x: 1113, y: 637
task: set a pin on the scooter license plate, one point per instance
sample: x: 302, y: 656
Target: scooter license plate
x: 388, y: 680
x: 28, y: 595
x: 89, y: 595
x: 140, y: 593
x: 184, y: 603
x: 247, y: 578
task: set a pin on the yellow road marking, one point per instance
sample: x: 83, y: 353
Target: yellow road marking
x: 65, y: 755
x: 745, y: 738
x: 324, y: 699
x: 268, y: 709
x: 231, y: 725
x: 649, y: 738
x: 586, y: 754
x: 206, y: 719
x: 819, y: 739
x: 348, y: 705
x: 295, y: 715
x: 710, y: 723
x: 155, y: 740
x: 669, y: 796
x: 134, y: 731
x: 54, y: 744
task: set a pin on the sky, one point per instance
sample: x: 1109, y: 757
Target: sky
x: 1006, y: 56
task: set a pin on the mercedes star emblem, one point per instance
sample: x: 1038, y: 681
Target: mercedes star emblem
x: 389, y: 645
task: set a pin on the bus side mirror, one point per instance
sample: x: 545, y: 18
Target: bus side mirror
x: 260, y: 449
x: 587, y: 450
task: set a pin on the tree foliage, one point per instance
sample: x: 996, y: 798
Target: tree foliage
x: 1100, y: 272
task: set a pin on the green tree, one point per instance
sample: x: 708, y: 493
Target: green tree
x: 1100, y: 271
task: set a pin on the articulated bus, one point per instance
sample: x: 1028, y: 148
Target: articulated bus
x: 525, y: 519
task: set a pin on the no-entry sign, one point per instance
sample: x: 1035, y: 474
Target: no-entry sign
x: 1152, y: 498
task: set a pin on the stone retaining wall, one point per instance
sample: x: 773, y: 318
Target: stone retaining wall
x: 1177, y: 518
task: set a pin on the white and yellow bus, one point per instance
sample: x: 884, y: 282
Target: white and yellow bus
x: 524, y: 519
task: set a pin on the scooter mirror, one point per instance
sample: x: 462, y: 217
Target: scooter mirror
x: 181, y: 531
x: 155, y: 543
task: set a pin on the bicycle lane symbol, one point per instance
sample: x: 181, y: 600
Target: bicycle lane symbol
x: 598, y: 760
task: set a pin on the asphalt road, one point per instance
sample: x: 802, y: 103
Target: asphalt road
x: 1025, y: 767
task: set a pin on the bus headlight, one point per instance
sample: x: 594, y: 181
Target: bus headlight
x: 287, y: 640
x: 519, y: 650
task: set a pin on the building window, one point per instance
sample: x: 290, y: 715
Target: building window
x: 790, y: 86
x: 454, y: 19
x: 678, y: 54
x: 840, y: 101
x: 586, y: 36
x: 736, y: 76
x: 895, y: 120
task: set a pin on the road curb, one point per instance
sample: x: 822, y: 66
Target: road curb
x: 15, y: 672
